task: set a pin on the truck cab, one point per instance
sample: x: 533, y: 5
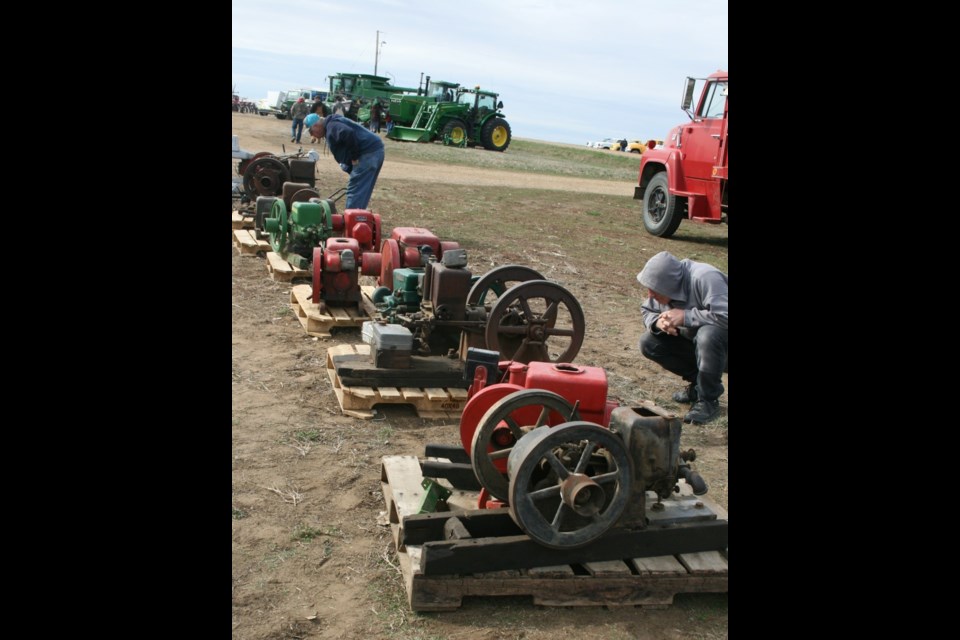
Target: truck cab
x: 686, y: 178
x: 287, y: 98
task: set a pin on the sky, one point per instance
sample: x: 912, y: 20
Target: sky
x: 566, y: 71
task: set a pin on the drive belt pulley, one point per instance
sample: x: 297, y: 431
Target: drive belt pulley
x: 569, y: 484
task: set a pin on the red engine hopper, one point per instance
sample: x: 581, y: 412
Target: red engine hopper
x: 402, y: 250
x: 364, y: 227
x: 577, y: 384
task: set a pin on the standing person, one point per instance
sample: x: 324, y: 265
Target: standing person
x: 623, y: 144
x: 358, y: 151
x: 685, y: 316
x: 389, y: 123
x: 375, y: 117
x: 298, y: 111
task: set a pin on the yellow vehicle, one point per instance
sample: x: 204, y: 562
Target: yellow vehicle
x: 635, y: 146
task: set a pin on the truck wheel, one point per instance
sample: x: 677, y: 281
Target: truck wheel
x: 456, y: 132
x: 661, y: 215
x: 495, y: 134
x: 281, y: 116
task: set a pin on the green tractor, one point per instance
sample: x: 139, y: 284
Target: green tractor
x: 472, y: 118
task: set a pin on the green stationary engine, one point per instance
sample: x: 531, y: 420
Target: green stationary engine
x: 294, y: 234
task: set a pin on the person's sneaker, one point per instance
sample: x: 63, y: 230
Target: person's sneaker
x: 293, y: 139
x: 688, y: 395
x: 703, y: 412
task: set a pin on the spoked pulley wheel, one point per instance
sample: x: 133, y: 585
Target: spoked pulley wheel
x: 569, y: 483
x: 495, y: 282
x: 537, y: 320
x: 276, y: 226
x: 506, y: 422
x: 242, y: 166
x: 265, y: 177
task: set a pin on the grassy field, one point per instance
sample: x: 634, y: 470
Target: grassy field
x: 531, y: 156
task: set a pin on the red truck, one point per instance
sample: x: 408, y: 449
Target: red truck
x: 687, y: 177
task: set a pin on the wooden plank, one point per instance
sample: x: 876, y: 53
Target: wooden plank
x: 443, y: 593
x: 247, y: 245
x: 508, y: 552
x: 607, y: 568
x: 240, y: 222
x: 556, y: 571
x: 403, y: 475
x: 360, y: 400
x: 458, y: 395
x: 281, y: 270
x: 278, y: 264
x: 433, y: 373
x: 704, y: 562
x: 315, y: 322
x: 658, y: 566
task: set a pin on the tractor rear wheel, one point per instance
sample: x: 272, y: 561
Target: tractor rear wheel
x: 661, y: 211
x: 456, y: 132
x: 495, y: 134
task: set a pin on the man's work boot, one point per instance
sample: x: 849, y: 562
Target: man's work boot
x: 703, y: 412
x: 688, y: 395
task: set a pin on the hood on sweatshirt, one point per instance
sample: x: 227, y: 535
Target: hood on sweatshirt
x: 664, y: 274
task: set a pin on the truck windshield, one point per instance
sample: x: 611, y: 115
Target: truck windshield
x: 714, y: 100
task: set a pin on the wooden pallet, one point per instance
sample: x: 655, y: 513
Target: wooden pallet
x: 429, y: 403
x: 242, y: 222
x: 282, y: 271
x: 319, y: 323
x: 651, y: 582
x: 248, y: 244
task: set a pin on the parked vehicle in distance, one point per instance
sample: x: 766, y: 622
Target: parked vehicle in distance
x: 606, y: 143
x: 636, y: 146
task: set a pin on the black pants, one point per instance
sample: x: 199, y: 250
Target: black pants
x: 701, y: 360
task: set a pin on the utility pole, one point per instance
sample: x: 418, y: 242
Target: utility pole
x: 376, y: 53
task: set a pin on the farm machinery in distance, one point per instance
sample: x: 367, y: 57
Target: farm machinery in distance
x: 468, y: 117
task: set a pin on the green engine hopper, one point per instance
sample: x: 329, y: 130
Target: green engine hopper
x: 293, y: 236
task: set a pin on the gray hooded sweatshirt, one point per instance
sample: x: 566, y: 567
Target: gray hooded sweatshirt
x: 697, y: 288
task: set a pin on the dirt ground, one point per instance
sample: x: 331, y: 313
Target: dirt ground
x: 312, y: 557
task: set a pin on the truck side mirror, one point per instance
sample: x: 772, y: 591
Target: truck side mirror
x: 688, y: 94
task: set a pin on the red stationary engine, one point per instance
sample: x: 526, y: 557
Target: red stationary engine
x: 339, y: 261
x: 534, y: 394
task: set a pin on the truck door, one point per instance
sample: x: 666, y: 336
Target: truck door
x: 701, y: 138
